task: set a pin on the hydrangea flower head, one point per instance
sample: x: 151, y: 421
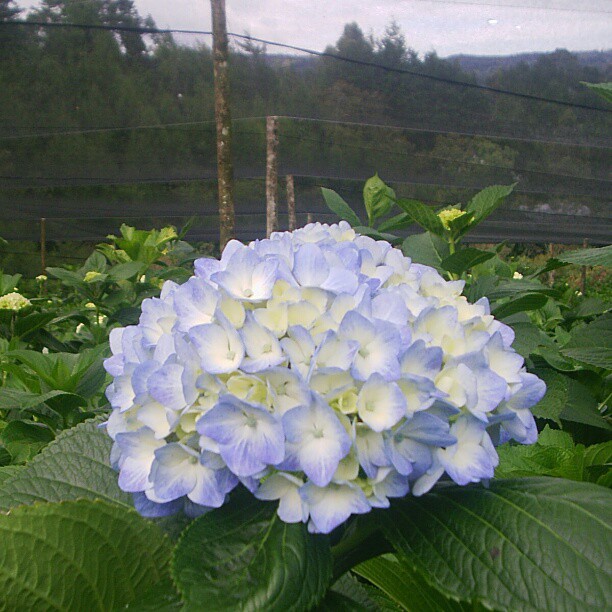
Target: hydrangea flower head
x: 318, y: 368
x: 14, y: 301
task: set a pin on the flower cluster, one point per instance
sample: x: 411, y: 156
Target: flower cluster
x: 14, y: 301
x: 319, y: 368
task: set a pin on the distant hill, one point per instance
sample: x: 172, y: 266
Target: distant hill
x: 485, y: 65
x: 481, y: 65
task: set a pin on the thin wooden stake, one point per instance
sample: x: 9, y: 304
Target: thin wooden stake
x: 309, y: 218
x: 292, y: 221
x: 223, y: 118
x: 271, y: 175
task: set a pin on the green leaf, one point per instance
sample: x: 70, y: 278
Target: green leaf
x: 76, y: 465
x: 592, y: 343
x: 426, y: 249
x: 125, y: 271
x: 555, y: 399
x: 347, y: 595
x: 529, y: 301
x: 525, y: 544
x: 486, y: 201
x: 423, y: 215
x: 395, y: 223
x: 377, y: 197
x: 32, y: 322
x: 601, y: 256
x: 80, y: 555
x: 337, y: 205
x: 527, y: 338
x: 589, y: 307
x: 464, y: 259
x: 244, y: 557
x: 515, y: 288
x: 405, y: 586
x: 70, y: 279
x: 603, y: 89
x: 24, y: 439
x: 8, y: 471
x: 581, y: 406
x: 96, y: 262
x: 556, y: 455
x: 16, y: 399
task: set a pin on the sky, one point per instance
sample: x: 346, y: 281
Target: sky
x: 476, y: 27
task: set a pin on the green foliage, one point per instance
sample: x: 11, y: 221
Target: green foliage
x: 378, y: 198
x: 79, y: 555
x: 518, y: 545
x: 601, y: 256
x: 404, y: 585
x: 556, y: 455
x: 74, y: 466
x: 479, y: 554
x: 603, y: 89
x: 247, y: 557
x: 340, y: 207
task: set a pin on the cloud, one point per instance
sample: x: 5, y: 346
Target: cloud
x: 446, y: 28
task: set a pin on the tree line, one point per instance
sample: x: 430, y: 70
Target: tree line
x: 55, y: 81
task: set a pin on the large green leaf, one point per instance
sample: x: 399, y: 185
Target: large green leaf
x: 76, y: 465
x: 567, y: 399
x: 426, y: 249
x: 601, y: 256
x: 80, y: 555
x: 524, y: 303
x: 527, y: 337
x: 525, y: 544
x: 464, y: 259
x: 337, y: 205
x: 404, y: 585
x: 244, y: 557
x: 592, y: 343
x: 486, y: 201
x: 423, y: 215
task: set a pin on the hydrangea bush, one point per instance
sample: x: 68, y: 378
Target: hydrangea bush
x: 319, y: 368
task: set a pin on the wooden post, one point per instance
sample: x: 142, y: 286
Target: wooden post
x: 292, y: 221
x: 271, y: 175
x: 223, y: 118
x: 43, y: 245
x: 309, y: 218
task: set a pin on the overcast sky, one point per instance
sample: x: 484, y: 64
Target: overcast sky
x: 483, y: 27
